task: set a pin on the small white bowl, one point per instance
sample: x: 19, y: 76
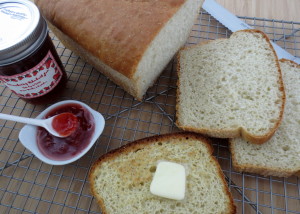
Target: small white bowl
x: 28, y: 134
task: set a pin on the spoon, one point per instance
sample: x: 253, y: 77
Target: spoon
x: 61, y: 125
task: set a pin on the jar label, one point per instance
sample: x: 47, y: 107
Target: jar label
x: 37, y: 81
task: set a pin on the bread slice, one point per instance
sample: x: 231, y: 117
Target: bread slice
x: 128, y: 41
x: 120, y: 180
x: 230, y: 88
x: 280, y: 156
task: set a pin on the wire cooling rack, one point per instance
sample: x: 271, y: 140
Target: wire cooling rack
x: 27, y: 185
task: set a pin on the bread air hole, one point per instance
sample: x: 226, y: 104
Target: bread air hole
x: 152, y: 169
x: 286, y: 148
x: 257, y: 36
x: 160, y: 211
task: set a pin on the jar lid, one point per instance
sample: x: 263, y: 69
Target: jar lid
x: 21, y: 28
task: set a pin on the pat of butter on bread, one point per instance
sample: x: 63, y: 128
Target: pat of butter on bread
x: 120, y: 180
x: 169, y: 181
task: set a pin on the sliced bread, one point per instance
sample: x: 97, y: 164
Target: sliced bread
x: 129, y: 41
x: 230, y: 88
x: 280, y: 156
x: 120, y: 180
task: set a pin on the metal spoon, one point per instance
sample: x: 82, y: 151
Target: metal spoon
x: 45, y: 123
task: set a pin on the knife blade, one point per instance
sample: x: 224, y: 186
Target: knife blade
x: 233, y: 23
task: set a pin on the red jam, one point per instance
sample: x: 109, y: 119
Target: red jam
x: 65, y: 124
x: 57, y: 148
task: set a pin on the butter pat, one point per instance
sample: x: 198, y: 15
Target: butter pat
x: 169, y: 181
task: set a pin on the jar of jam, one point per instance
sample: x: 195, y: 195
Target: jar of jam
x: 29, y: 64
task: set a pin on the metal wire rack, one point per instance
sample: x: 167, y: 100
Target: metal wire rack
x: 27, y: 185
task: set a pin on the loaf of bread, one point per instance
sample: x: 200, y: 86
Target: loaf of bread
x: 120, y: 180
x: 129, y: 41
x: 280, y: 156
x: 230, y: 88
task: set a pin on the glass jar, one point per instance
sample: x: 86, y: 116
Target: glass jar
x: 29, y: 64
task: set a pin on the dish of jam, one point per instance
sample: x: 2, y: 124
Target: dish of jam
x: 65, y: 148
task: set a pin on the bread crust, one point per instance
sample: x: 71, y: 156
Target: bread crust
x: 294, y: 64
x: 239, y: 132
x: 139, y: 144
x: 127, y: 84
x: 122, y: 33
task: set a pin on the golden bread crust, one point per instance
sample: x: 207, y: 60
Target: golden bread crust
x: 113, y: 75
x: 116, y: 32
